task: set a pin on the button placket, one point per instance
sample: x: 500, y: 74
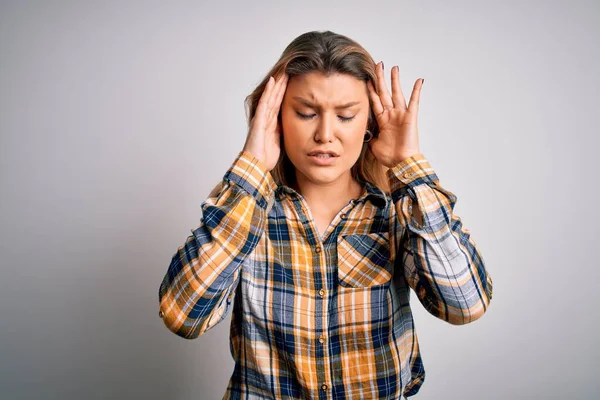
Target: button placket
x: 321, y: 339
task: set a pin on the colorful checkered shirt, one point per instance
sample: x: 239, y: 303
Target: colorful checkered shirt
x: 324, y: 317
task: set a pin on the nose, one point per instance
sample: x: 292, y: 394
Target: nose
x: 325, y: 131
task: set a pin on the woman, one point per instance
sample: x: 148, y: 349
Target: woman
x: 317, y: 232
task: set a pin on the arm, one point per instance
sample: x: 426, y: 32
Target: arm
x: 441, y: 261
x: 197, y: 290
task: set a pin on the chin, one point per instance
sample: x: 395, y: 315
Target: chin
x: 322, y: 174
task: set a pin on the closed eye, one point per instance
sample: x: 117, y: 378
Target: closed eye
x: 304, y: 116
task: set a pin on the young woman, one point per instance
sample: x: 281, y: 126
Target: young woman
x: 317, y: 232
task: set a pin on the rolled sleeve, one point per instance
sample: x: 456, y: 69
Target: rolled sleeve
x: 248, y: 172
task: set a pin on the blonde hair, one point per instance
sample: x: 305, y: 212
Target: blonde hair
x: 328, y: 53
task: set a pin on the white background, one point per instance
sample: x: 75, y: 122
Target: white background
x: 118, y: 117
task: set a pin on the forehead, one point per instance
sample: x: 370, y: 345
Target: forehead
x: 326, y: 91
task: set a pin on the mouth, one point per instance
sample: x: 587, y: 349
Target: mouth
x: 323, y: 154
x: 323, y: 158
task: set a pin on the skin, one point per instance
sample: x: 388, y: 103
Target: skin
x: 325, y: 127
x: 328, y: 188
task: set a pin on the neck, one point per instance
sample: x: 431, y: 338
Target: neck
x: 333, y: 195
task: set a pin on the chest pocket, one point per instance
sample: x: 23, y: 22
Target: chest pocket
x: 364, y: 260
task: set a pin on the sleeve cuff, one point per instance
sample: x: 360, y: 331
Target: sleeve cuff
x: 249, y: 173
x: 411, y: 171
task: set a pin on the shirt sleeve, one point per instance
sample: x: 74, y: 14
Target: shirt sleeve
x: 441, y: 261
x: 197, y: 290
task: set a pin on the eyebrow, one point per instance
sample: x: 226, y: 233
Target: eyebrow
x: 309, y: 104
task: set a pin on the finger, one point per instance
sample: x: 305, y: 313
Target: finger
x: 278, y: 96
x: 275, y: 91
x: 263, y: 102
x: 413, y: 104
x: 382, y: 90
x: 260, y: 114
x: 280, y: 91
x: 375, y: 102
x: 397, y: 95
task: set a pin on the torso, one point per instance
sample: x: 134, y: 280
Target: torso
x: 322, y: 223
x: 323, y: 214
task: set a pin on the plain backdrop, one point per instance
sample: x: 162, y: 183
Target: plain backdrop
x: 118, y: 117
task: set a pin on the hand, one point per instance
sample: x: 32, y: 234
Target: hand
x: 398, y: 131
x: 264, y: 136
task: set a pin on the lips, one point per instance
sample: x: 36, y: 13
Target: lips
x: 323, y: 158
x: 323, y: 153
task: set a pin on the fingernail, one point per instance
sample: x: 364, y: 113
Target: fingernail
x: 382, y: 67
x: 423, y: 81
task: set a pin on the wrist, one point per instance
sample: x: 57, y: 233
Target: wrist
x: 403, y: 157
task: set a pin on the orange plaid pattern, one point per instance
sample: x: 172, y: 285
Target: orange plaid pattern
x: 324, y: 317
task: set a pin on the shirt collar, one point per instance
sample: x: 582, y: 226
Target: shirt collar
x: 370, y: 192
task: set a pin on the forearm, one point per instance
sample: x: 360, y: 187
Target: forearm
x: 441, y: 261
x: 199, y: 284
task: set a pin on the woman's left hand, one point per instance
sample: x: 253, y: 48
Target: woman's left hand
x: 398, y: 131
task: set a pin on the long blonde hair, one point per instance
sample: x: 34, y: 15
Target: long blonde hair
x: 328, y: 53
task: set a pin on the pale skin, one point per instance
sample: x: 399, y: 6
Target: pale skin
x: 312, y: 118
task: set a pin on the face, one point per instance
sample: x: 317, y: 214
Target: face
x: 328, y: 114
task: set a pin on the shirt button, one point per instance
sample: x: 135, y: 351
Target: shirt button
x: 322, y: 292
x: 161, y: 313
x: 321, y: 339
x: 343, y: 216
x: 318, y: 249
x: 407, y: 175
x: 324, y: 387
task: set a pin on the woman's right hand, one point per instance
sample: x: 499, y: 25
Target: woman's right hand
x: 264, y: 136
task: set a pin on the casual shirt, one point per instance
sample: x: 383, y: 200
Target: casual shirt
x: 324, y: 316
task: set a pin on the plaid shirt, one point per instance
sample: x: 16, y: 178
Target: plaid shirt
x: 324, y: 317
